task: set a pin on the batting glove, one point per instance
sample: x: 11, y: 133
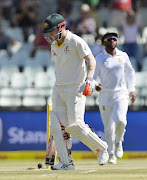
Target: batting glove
x: 87, y: 87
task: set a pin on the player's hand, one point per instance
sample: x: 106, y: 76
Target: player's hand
x: 132, y: 96
x: 87, y: 87
x: 98, y: 87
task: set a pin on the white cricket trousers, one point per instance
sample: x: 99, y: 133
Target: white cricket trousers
x: 114, y: 120
x: 68, y: 104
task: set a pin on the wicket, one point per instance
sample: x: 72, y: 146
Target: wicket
x: 49, y: 108
x: 50, y: 145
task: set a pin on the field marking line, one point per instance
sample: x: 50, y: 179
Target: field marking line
x: 85, y: 172
x: 48, y: 174
x: 36, y: 169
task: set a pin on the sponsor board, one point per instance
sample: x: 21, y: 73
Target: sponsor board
x: 27, y: 131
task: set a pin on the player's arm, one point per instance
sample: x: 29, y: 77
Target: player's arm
x: 98, y: 87
x: 130, y: 74
x: 89, y: 85
x: 91, y: 64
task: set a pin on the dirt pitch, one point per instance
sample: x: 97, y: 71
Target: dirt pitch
x: 126, y: 169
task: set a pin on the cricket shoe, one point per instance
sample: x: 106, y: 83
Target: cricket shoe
x: 118, y: 150
x: 102, y: 157
x: 61, y: 166
x: 112, y: 159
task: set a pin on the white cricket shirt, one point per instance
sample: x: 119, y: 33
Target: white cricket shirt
x: 113, y: 72
x: 69, y: 60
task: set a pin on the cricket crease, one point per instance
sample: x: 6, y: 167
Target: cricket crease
x: 88, y: 171
x: 48, y: 174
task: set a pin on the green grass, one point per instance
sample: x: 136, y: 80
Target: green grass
x: 85, y: 170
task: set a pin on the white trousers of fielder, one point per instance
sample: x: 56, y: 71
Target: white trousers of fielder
x: 114, y: 120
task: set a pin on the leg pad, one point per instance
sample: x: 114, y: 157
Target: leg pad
x: 86, y: 136
x: 55, y: 130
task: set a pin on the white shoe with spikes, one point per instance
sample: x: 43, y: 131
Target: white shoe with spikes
x: 61, y: 166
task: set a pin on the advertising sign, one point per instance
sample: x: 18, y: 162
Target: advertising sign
x: 27, y: 131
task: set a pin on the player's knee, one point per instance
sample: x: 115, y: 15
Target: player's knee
x: 78, y: 131
x: 55, y: 125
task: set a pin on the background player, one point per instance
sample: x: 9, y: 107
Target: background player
x: 69, y: 52
x: 111, y: 66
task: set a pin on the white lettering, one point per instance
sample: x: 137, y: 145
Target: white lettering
x: 19, y: 135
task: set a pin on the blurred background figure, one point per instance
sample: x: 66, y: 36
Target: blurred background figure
x: 118, y: 8
x: 7, y: 8
x: 98, y: 46
x: 26, y: 18
x: 6, y: 42
x: 131, y: 29
x: 64, y: 4
x: 94, y: 11
x: 85, y: 24
x: 39, y: 42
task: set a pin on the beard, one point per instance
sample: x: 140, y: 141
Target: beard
x: 111, y: 47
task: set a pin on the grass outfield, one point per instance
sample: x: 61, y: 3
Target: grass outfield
x: 85, y: 170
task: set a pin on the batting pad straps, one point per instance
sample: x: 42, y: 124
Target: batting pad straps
x: 86, y: 136
x: 55, y: 130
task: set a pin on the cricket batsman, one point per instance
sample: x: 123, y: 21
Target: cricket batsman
x: 69, y: 52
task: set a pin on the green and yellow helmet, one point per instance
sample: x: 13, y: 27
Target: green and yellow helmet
x: 53, y: 22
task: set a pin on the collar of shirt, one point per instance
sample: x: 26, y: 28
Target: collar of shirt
x: 107, y: 54
x: 68, y: 37
x: 66, y: 40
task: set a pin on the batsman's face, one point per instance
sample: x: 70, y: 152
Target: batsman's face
x: 110, y: 42
x: 52, y: 36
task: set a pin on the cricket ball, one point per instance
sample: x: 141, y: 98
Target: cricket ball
x: 39, y: 165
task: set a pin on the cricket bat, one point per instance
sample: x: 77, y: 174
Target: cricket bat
x: 50, y: 144
x: 50, y: 152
